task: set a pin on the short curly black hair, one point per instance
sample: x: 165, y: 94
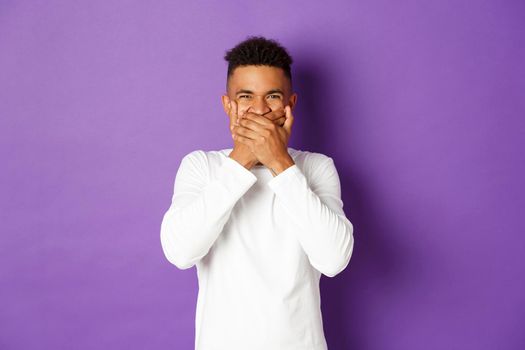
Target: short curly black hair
x: 258, y: 50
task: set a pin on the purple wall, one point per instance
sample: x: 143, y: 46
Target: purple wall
x: 420, y: 103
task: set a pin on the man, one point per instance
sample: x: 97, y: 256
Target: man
x: 261, y: 221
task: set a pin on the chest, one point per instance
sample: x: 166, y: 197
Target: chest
x: 260, y: 224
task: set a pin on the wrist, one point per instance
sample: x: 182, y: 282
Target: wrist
x: 246, y: 162
x: 281, y: 165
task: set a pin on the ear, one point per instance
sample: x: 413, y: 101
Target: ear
x: 225, y: 99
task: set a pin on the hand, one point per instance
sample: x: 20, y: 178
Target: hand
x: 242, y: 153
x: 267, y: 141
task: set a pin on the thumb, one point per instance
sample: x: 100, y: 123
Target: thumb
x: 289, y: 120
x: 232, y: 113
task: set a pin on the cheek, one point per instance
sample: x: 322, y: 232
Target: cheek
x: 244, y: 105
x: 276, y: 104
x: 243, y: 101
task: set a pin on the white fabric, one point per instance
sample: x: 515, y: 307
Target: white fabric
x: 260, y: 244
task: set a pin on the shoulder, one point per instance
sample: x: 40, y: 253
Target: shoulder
x: 194, y: 164
x: 197, y: 158
x: 216, y: 157
x: 206, y: 158
x: 309, y: 161
x: 316, y: 166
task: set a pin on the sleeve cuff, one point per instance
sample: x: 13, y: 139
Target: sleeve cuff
x: 283, y: 178
x: 235, y: 177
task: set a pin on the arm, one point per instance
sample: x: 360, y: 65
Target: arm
x: 324, y: 232
x: 200, y: 207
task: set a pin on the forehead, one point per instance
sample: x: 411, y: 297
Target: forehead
x: 258, y: 78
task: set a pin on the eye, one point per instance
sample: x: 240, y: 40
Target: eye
x: 277, y: 96
x: 243, y: 96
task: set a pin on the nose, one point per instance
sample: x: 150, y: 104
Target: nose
x: 259, y: 105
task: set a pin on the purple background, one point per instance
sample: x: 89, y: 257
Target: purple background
x: 420, y: 103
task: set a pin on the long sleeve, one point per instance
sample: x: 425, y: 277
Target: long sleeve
x: 324, y: 232
x: 200, y: 207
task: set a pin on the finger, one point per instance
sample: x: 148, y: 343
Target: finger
x: 247, y: 133
x: 240, y: 114
x: 235, y: 112
x: 272, y: 115
x: 244, y: 140
x: 230, y: 112
x: 252, y: 125
x: 289, y: 120
x: 275, y: 114
x: 258, y: 118
x: 280, y: 121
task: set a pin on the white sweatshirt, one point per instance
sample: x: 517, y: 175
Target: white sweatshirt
x: 260, y: 244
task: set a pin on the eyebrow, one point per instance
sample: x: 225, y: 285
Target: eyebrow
x: 273, y: 91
